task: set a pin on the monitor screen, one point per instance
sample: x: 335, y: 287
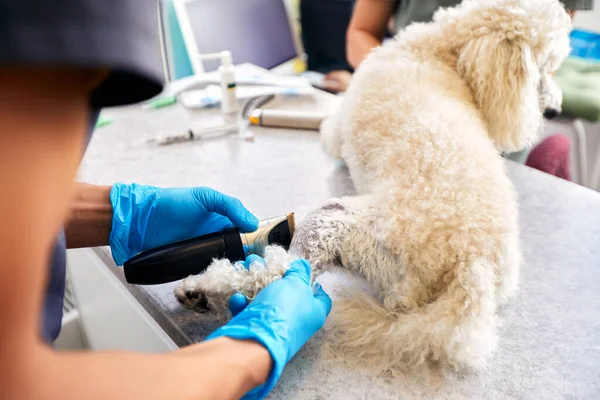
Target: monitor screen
x: 254, y: 31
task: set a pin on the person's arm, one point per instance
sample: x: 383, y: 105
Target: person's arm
x: 90, y: 217
x: 223, y: 368
x: 133, y: 217
x: 367, y: 28
x: 43, y: 117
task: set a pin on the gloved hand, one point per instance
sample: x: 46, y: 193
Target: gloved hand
x: 145, y: 217
x: 282, y: 317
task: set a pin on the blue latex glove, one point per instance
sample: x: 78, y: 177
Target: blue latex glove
x: 145, y: 217
x: 282, y: 317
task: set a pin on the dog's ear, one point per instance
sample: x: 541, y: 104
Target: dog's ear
x: 504, y: 78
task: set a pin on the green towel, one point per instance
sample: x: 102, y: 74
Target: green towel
x: 579, y: 80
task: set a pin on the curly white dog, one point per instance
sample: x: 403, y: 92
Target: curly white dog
x: 434, y: 229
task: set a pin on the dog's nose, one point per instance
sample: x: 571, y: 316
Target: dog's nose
x: 551, y: 113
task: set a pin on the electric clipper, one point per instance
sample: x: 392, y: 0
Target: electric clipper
x: 178, y: 260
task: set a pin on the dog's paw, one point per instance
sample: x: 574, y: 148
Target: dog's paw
x: 211, y: 290
x: 190, y: 294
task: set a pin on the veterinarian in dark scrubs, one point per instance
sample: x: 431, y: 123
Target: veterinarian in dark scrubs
x: 60, y: 63
x: 371, y: 17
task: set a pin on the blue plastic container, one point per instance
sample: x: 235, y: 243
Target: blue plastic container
x: 585, y: 44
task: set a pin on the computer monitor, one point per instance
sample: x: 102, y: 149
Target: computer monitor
x: 254, y: 31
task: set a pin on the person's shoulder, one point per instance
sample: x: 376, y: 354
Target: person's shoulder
x: 119, y: 35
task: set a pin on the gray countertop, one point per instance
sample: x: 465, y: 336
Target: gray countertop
x: 550, y: 338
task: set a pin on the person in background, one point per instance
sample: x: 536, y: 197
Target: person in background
x: 371, y: 19
x: 324, y: 24
x: 60, y: 63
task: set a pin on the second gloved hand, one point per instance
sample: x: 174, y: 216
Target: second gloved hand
x: 282, y: 317
x: 145, y: 217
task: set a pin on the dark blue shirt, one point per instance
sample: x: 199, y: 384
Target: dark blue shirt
x: 55, y: 290
x: 53, y: 305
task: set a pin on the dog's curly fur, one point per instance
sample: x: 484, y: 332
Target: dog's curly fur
x: 434, y: 229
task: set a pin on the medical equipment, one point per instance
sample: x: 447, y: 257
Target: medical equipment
x: 287, y: 119
x: 211, y: 95
x: 245, y: 75
x: 191, y: 134
x: 229, y: 104
x: 259, y: 32
x: 217, y: 131
x: 190, y: 257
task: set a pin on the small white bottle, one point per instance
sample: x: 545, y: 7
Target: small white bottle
x: 229, y: 103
